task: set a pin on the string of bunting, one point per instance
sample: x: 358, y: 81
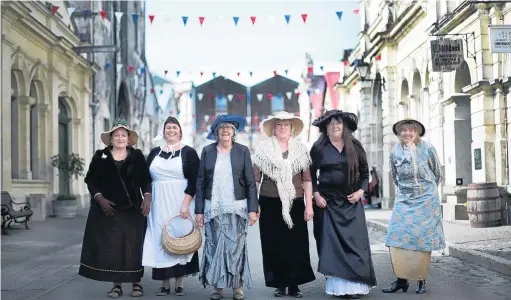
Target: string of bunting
x: 184, y: 19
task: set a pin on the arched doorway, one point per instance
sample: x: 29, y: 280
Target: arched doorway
x: 403, y: 103
x: 376, y: 157
x: 34, y: 132
x: 123, y: 104
x: 415, y: 100
x: 64, y: 131
x: 14, y: 127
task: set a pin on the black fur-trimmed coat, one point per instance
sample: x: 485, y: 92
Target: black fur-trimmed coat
x: 104, y: 176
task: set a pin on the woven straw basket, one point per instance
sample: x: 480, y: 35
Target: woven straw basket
x: 183, y: 245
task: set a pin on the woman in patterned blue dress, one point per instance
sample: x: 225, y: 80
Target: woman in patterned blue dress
x: 416, y: 225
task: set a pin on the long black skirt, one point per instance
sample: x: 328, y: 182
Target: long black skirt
x: 286, y: 260
x: 177, y: 271
x: 112, y: 246
x: 342, y: 239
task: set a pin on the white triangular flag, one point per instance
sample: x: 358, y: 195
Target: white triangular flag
x: 260, y: 97
x: 206, y: 118
x: 118, y: 16
x: 289, y: 94
x: 119, y: 68
x: 70, y: 10
x: 200, y: 95
x: 230, y: 96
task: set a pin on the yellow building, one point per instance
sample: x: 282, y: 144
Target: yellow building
x: 391, y: 75
x: 45, y: 102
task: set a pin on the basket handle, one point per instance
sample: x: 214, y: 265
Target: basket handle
x: 179, y: 216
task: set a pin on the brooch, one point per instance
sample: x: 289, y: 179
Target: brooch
x: 103, y: 156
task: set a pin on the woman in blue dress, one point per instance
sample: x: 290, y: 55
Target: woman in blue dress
x: 416, y: 224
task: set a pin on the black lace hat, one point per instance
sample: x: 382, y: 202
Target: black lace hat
x: 349, y: 119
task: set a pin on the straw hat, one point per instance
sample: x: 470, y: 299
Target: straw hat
x: 409, y: 121
x: 106, y: 137
x: 269, y: 124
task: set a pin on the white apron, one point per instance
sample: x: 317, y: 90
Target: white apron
x: 169, y: 185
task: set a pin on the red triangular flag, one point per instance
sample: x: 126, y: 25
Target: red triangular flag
x: 238, y: 74
x: 298, y: 94
x: 274, y: 73
x: 151, y: 18
x: 253, y: 20
x: 201, y: 20
x: 54, y: 9
x: 240, y: 96
x: 130, y: 68
x: 201, y: 73
x: 152, y: 90
x: 165, y: 72
x: 304, y: 17
x: 378, y: 58
x: 102, y: 13
x: 269, y: 95
x: 356, y: 11
x: 309, y: 69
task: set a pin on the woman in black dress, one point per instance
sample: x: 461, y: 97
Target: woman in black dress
x: 114, y: 233
x: 339, y: 220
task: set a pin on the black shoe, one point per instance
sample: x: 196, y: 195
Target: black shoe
x: 294, y: 292
x: 421, y: 287
x: 162, y: 292
x: 396, y: 286
x: 280, y: 292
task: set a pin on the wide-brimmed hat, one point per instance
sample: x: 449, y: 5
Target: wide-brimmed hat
x: 106, y: 137
x: 269, y: 124
x: 349, y: 119
x: 237, y: 121
x: 409, y: 121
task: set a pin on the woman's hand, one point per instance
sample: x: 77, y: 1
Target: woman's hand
x: 259, y: 212
x: 185, y: 210
x: 355, y: 197
x: 146, y: 205
x: 320, y: 201
x: 252, y: 218
x: 106, y: 205
x: 308, y: 214
x: 199, y: 219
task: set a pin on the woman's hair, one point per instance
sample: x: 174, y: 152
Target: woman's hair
x: 353, y: 150
x: 172, y: 120
x: 409, y: 125
x: 225, y: 125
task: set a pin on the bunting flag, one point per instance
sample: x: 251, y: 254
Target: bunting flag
x: 165, y: 72
x: 190, y: 95
x: 87, y: 13
x: 288, y: 18
x: 151, y: 18
x: 286, y: 71
x: 309, y: 92
x: 107, y: 65
x: 118, y: 16
x: 378, y: 58
x: 177, y: 73
x: 230, y: 96
x: 253, y: 19
x: 240, y: 96
x: 260, y: 97
x: 151, y: 91
x: 185, y: 20
x: 251, y: 73
x: 238, y: 74
x: 201, y: 20
x: 119, y: 68
x: 102, y: 13
x: 289, y: 95
x: 142, y: 70
x: 54, y: 9
x: 356, y: 11
x: 339, y: 14
x: 134, y: 17
x: 199, y: 96
x: 304, y: 18
x: 269, y: 95
x: 201, y: 73
x: 70, y: 11
x: 321, y: 68
x: 130, y: 68
x: 274, y: 73
x: 214, y: 74
x: 236, y: 19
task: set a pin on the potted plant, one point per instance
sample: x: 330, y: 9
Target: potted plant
x: 72, y: 165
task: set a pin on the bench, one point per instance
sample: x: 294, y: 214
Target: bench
x: 9, y: 214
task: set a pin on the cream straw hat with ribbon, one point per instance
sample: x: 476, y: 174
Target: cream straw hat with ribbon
x: 106, y: 137
x: 268, y: 125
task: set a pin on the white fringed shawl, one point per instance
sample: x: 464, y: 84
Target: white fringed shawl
x: 268, y: 158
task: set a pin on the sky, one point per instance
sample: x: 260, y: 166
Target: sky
x: 269, y: 45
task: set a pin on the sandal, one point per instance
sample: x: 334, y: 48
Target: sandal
x: 238, y: 295
x: 162, y: 291
x: 115, y: 292
x: 137, y: 291
x: 217, y: 294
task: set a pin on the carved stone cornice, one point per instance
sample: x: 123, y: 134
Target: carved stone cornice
x: 480, y: 86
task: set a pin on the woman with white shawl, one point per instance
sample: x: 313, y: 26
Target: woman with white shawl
x: 281, y: 169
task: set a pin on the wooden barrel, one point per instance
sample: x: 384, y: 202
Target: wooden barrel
x: 484, y: 205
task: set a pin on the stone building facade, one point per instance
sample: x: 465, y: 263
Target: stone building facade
x: 44, y: 111
x: 465, y: 111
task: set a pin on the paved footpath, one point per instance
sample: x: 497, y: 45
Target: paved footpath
x: 42, y: 263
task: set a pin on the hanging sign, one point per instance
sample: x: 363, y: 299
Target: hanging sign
x: 500, y: 38
x: 446, y: 54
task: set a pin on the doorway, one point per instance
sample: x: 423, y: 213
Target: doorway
x: 64, y: 120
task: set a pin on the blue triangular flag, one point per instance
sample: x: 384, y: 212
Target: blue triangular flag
x: 161, y: 92
x: 134, y: 17
x: 185, y: 19
x: 177, y: 73
x: 107, y: 65
x: 214, y: 74
x: 191, y: 95
x: 286, y: 71
x: 321, y: 67
x: 288, y: 17
x: 87, y: 12
x: 339, y: 14
x: 236, y: 19
x: 279, y: 95
x: 250, y: 73
x: 309, y: 92
x: 142, y: 70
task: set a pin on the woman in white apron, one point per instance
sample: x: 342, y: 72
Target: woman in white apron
x: 174, y: 170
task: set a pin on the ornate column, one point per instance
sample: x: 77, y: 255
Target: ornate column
x: 425, y: 111
x: 5, y: 122
x: 43, y: 111
x: 365, y: 116
x: 501, y: 136
x: 24, y: 103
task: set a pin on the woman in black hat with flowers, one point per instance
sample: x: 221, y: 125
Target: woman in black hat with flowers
x: 114, y: 233
x: 339, y: 220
